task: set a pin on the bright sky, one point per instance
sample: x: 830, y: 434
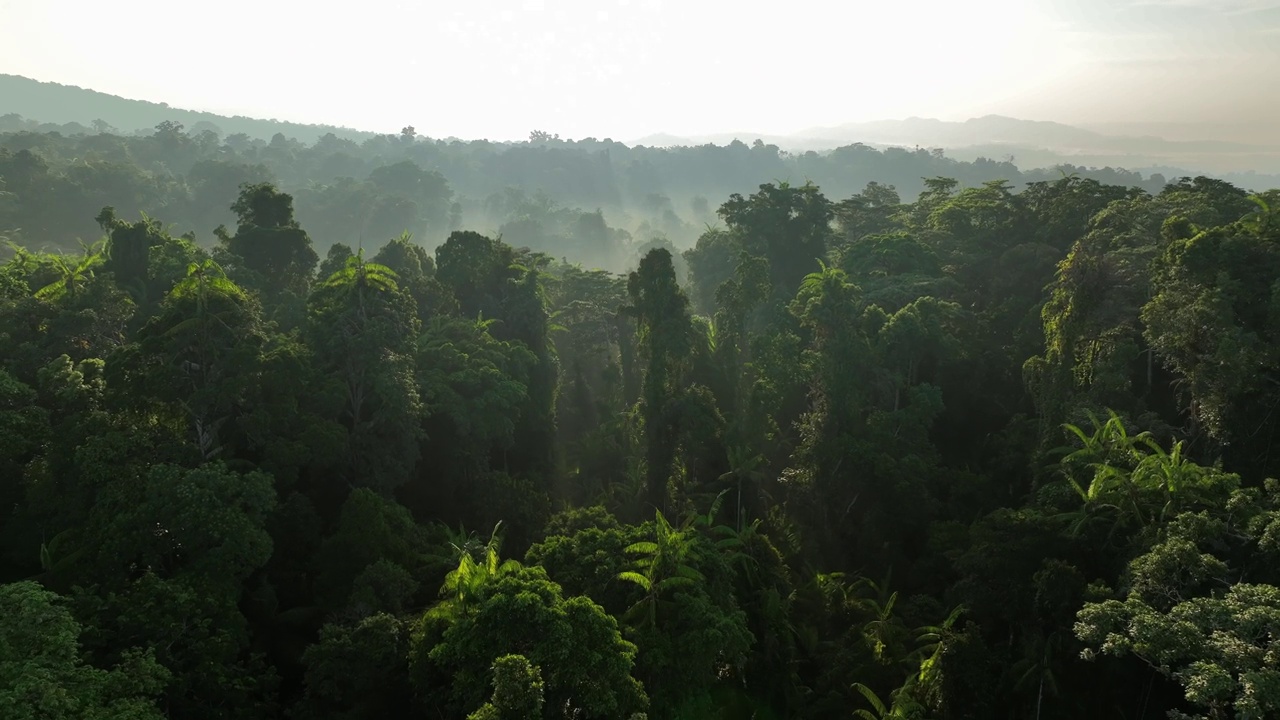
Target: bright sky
x: 627, y: 68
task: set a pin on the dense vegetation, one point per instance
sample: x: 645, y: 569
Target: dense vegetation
x: 984, y: 454
x: 595, y: 202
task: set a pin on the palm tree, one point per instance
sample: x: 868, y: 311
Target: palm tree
x: 745, y: 465
x: 477, y: 567
x: 932, y: 639
x: 738, y: 544
x: 823, y: 297
x: 903, y: 704
x: 201, y: 338
x: 1259, y: 220
x: 663, y: 564
x: 23, y: 260
x: 883, y: 631
x: 1129, y: 476
x: 206, y: 283
x: 1170, y: 475
x: 56, y: 557
x: 72, y: 274
x: 1106, y: 457
x: 357, y: 278
x: 1037, y: 668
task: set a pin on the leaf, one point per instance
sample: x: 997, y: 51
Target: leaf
x: 677, y: 582
x: 636, y: 578
x: 872, y: 698
x: 689, y: 573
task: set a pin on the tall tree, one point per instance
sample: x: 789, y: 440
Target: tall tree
x: 661, y: 311
x: 788, y: 226
x: 362, y: 327
x: 270, y: 252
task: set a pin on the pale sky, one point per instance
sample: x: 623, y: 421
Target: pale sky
x: 627, y: 68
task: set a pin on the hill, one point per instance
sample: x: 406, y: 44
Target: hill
x: 1040, y: 143
x: 53, y: 103
x: 1229, y: 151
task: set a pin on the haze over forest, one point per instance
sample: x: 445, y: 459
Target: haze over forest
x: 633, y: 360
x: 535, y: 192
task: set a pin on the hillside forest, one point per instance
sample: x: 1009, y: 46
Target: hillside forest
x: 599, y: 203
x: 393, y: 429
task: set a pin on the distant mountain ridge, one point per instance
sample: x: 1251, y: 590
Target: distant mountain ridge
x: 48, y: 102
x: 1034, y: 143
x: 998, y: 128
x: 997, y: 136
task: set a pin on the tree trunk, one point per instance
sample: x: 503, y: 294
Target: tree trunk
x: 1040, y: 696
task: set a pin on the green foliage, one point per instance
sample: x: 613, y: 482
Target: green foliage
x: 1211, y: 318
x: 1188, y: 613
x: 361, y: 328
x: 665, y: 334
x: 72, y: 274
x: 358, y: 671
x: 375, y: 541
x: 586, y: 663
x: 477, y: 382
x: 246, y: 477
x: 42, y: 674
x: 517, y: 690
x: 588, y: 560
x: 789, y: 227
x: 270, y: 250
x: 204, y: 526
x: 662, y: 566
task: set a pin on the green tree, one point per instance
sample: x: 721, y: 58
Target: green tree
x: 269, y: 252
x: 1187, y: 611
x: 72, y: 274
x: 42, y: 673
x: 517, y: 691
x: 359, y: 671
x: 788, y: 226
x: 1212, y: 319
x: 661, y: 312
x: 201, y: 353
x: 171, y: 553
x: 586, y: 663
x: 362, y: 327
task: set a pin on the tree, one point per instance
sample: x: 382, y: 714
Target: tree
x: 359, y: 671
x: 475, y: 383
x: 270, y: 252
x: 1210, y: 320
x: 788, y: 226
x: 42, y: 674
x: 362, y: 328
x: 692, y: 635
x: 661, y: 312
x: 586, y: 665
x: 711, y: 263
x: 664, y: 566
x: 371, y: 530
x: 1188, y: 613
x: 517, y: 691
x: 491, y: 281
x: 476, y: 569
x: 72, y: 274
x: 202, y: 353
x: 415, y: 272
x: 171, y: 552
